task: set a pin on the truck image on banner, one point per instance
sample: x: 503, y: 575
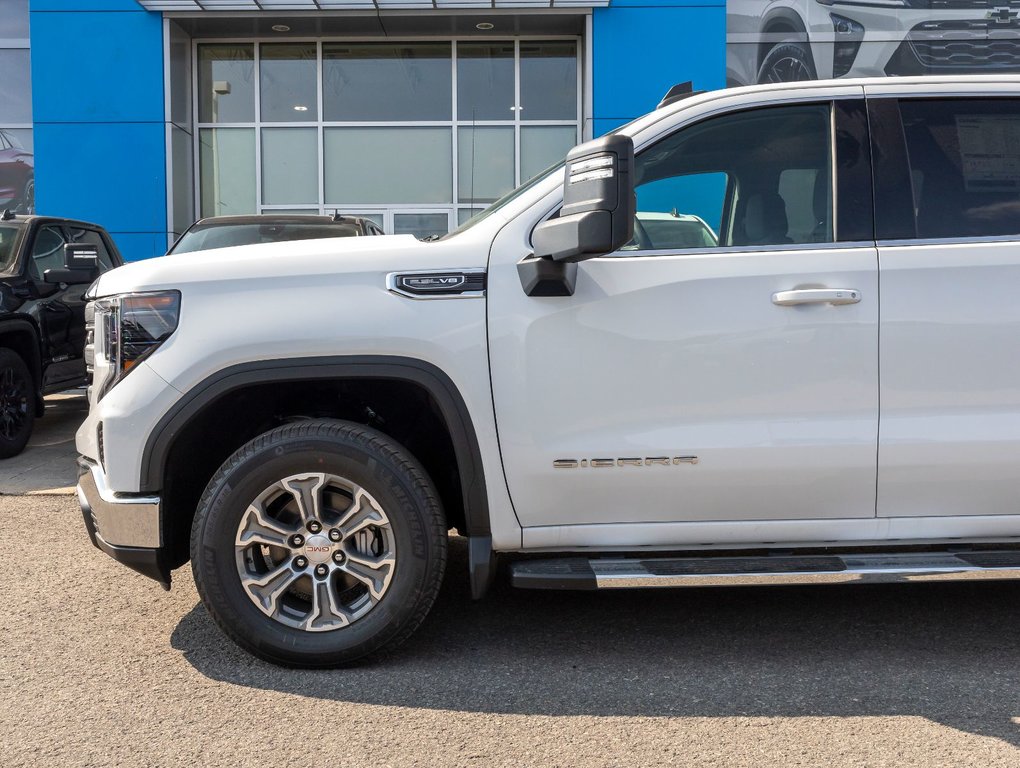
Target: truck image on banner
x: 769, y: 41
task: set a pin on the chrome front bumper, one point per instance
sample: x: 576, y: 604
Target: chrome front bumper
x: 119, y: 520
x: 127, y: 528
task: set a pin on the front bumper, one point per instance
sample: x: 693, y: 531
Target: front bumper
x: 127, y: 528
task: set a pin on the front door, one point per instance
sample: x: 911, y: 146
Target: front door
x: 723, y: 366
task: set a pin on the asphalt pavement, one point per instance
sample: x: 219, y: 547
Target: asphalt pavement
x: 100, y: 666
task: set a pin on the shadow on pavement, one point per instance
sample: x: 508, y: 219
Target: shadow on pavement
x: 946, y: 652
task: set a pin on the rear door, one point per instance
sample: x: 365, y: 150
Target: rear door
x: 948, y: 219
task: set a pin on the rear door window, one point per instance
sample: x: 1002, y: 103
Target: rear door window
x: 964, y: 159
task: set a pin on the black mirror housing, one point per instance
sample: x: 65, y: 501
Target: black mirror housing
x: 598, y: 203
x: 80, y: 256
x: 69, y: 276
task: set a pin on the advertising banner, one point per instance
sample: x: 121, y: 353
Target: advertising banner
x: 785, y: 40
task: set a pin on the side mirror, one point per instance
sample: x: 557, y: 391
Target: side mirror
x: 80, y: 263
x: 80, y: 256
x: 598, y: 203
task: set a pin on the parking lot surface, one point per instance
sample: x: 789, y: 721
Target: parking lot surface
x: 100, y: 666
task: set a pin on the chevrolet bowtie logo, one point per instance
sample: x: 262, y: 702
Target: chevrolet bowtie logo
x: 1002, y: 15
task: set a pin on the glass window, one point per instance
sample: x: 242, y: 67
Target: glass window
x: 544, y: 145
x: 47, y: 251
x: 421, y: 225
x: 18, y: 138
x: 464, y: 215
x: 14, y: 19
x: 227, y: 166
x: 290, y: 166
x: 288, y: 83
x: 706, y: 185
x: 7, y: 253
x: 92, y: 237
x: 15, y: 86
x: 485, y: 81
x: 965, y: 166
x: 383, y: 82
x: 388, y: 165
x: 548, y: 81
x: 485, y: 163
x: 226, y: 87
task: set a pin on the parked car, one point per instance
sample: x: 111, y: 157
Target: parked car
x: 665, y: 231
x: 786, y: 40
x: 709, y: 415
x: 46, y: 263
x: 17, y: 175
x: 228, y: 231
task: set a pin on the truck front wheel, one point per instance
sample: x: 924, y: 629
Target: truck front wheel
x: 319, y: 543
x: 17, y: 414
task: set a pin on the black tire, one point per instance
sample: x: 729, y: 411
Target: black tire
x: 17, y: 409
x: 379, y: 466
x: 787, y: 63
x: 26, y: 202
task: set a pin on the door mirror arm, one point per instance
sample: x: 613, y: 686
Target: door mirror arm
x: 543, y: 276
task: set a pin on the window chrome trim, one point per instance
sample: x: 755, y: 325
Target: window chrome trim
x: 923, y: 241
x: 737, y: 249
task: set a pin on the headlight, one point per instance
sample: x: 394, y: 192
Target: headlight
x: 127, y: 329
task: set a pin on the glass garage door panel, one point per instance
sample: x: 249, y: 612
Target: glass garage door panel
x: 485, y: 163
x: 227, y: 167
x: 388, y: 165
x: 543, y: 146
x: 290, y: 166
x: 288, y: 83
x: 385, y: 82
x: 226, y: 83
x: 421, y: 224
x: 485, y: 81
x: 548, y: 81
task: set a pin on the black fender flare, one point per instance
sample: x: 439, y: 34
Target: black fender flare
x: 25, y: 327
x: 426, y: 375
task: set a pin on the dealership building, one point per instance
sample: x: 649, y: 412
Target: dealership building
x: 143, y: 115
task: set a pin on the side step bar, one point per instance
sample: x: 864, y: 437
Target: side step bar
x: 622, y: 573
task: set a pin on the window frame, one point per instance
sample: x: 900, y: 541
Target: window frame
x: 895, y: 217
x: 852, y: 199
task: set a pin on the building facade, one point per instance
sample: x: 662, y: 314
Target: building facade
x: 144, y: 115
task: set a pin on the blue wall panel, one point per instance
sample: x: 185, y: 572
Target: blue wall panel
x: 98, y: 106
x: 639, y: 52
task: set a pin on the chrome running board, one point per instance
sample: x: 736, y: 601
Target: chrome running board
x: 623, y: 573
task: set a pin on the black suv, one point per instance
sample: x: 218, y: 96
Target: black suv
x: 46, y: 264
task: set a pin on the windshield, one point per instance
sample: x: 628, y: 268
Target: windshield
x: 507, y: 198
x: 7, y: 253
x: 211, y: 236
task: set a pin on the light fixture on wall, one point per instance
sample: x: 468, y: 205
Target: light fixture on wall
x: 485, y: 26
x: 300, y: 108
x: 281, y: 28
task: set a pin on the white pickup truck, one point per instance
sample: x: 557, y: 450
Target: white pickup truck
x: 825, y: 390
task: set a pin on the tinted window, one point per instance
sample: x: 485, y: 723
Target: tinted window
x: 47, y: 251
x: 92, y: 237
x: 7, y: 253
x: 964, y: 166
x: 707, y: 185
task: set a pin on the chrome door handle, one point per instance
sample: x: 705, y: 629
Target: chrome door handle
x: 816, y: 296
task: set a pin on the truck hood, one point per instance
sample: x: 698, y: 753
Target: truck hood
x: 295, y: 263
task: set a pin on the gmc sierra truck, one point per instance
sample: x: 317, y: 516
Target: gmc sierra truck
x: 826, y: 389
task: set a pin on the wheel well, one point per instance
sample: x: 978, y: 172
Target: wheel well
x: 403, y: 410
x: 22, y: 340
x: 778, y: 26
